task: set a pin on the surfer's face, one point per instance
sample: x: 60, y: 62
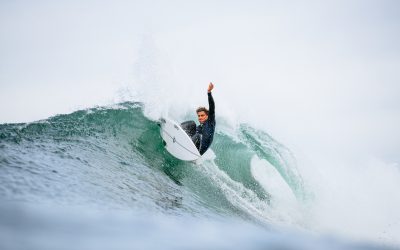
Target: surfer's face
x: 202, y: 116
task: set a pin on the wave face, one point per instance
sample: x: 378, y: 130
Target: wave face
x: 111, y: 158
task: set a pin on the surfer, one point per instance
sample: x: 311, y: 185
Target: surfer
x: 197, y: 140
x: 205, y: 130
x: 203, y: 134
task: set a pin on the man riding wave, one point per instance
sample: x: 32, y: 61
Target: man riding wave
x: 202, y: 135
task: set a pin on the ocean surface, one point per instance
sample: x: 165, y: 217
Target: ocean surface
x: 100, y: 178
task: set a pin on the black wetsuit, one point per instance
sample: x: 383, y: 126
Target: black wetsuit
x: 205, y: 132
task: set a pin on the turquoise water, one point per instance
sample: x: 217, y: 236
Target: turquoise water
x: 104, y: 171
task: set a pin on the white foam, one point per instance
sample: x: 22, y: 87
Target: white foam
x: 245, y: 199
x: 273, y: 183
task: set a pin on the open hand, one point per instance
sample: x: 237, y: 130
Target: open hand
x: 210, y: 87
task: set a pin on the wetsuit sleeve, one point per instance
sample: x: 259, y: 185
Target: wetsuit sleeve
x: 211, y: 107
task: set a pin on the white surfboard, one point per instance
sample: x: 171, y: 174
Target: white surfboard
x: 177, y: 142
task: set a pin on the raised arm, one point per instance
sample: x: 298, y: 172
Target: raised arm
x: 211, y: 104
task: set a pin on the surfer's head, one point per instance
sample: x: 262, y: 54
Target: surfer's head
x: 202, y: 114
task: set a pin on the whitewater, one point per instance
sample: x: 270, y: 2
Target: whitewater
x: 306, y: 144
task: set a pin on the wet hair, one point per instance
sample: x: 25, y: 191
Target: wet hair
x: 200, y: 109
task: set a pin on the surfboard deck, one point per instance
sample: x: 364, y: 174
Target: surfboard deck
x: 177, y: 142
